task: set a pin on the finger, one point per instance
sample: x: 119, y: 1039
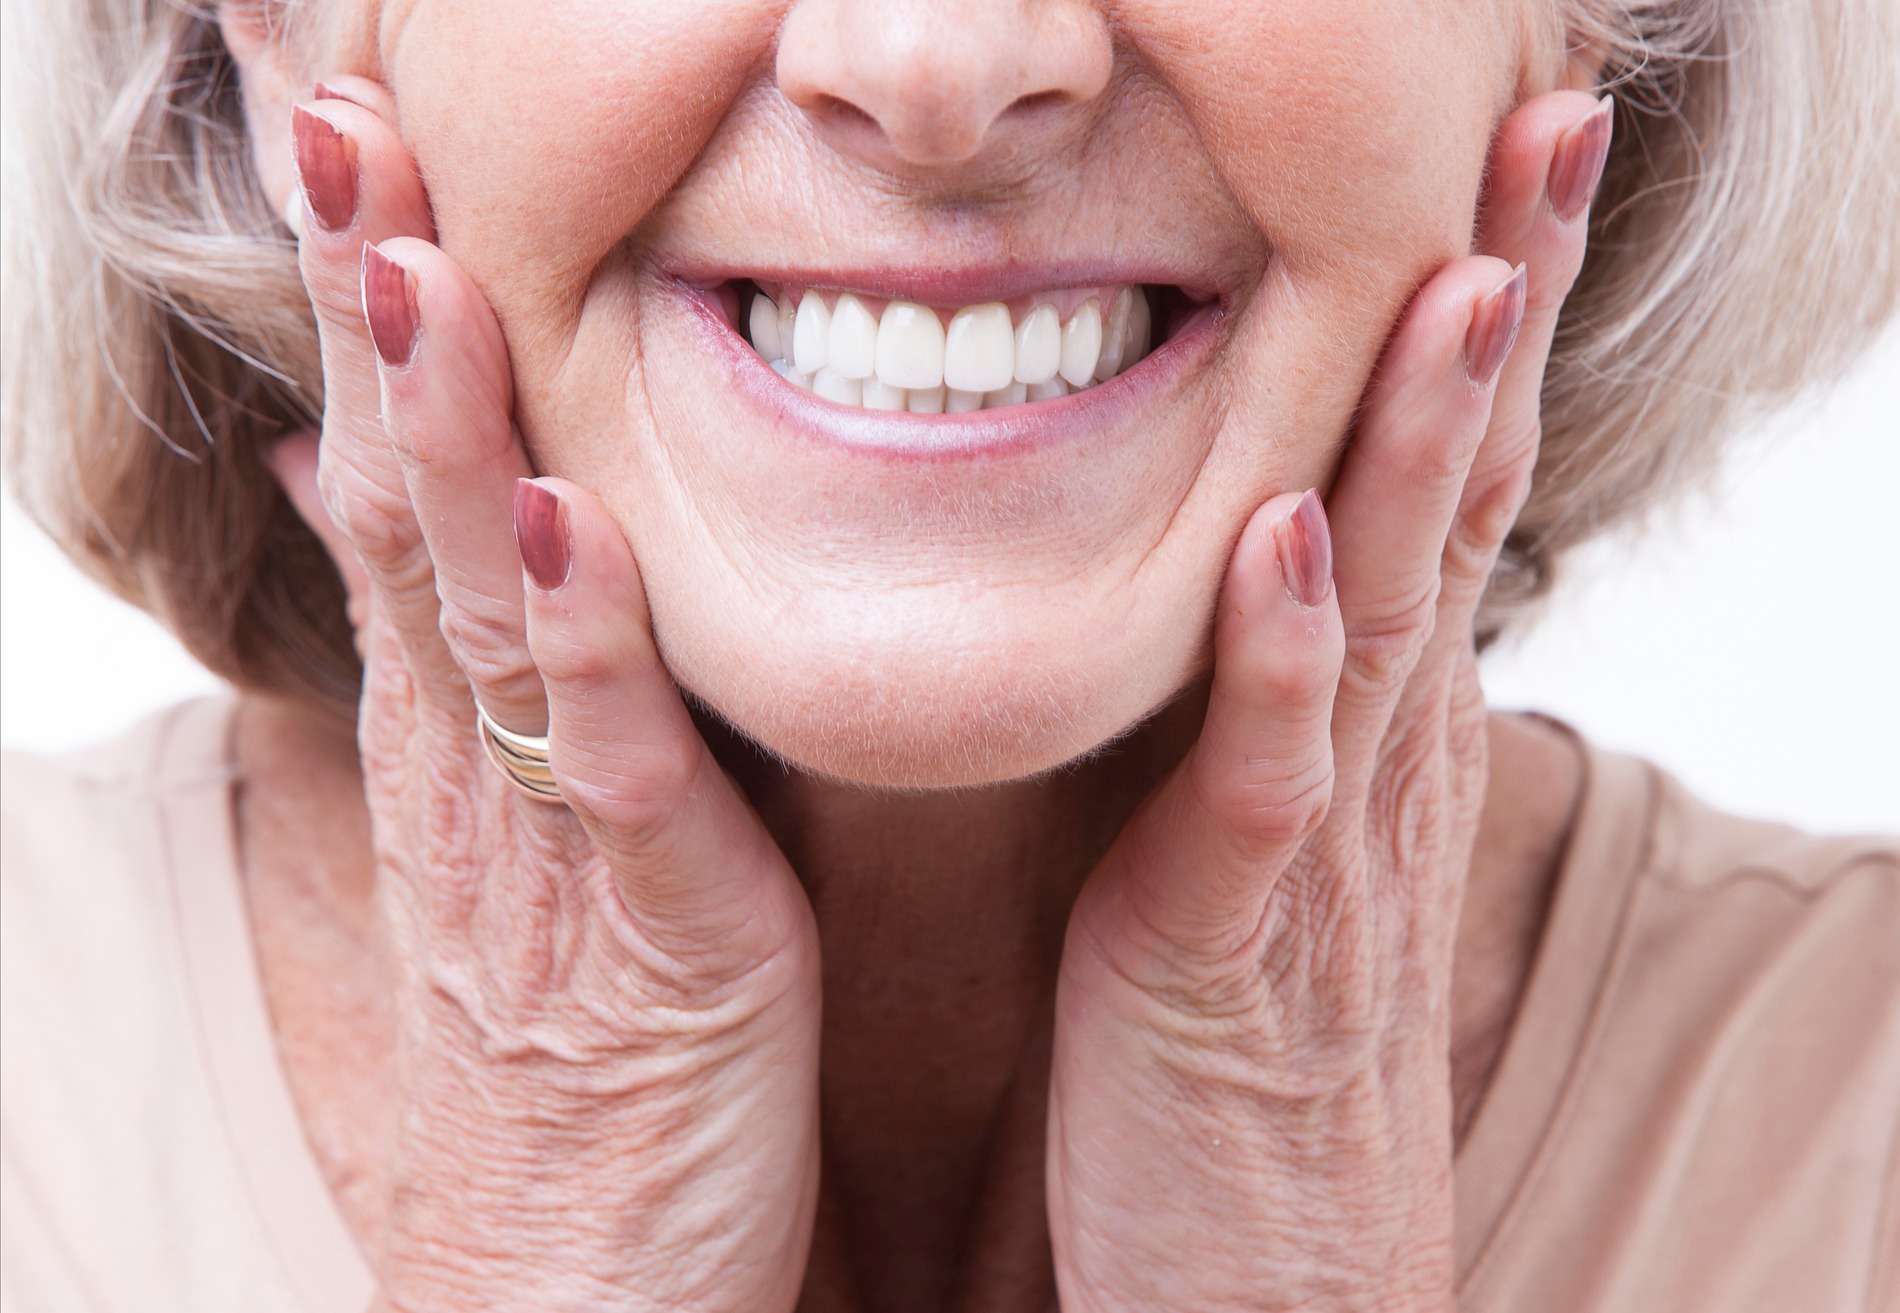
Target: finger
x: 358, y: 184
x: 1405, y: 471
x: 693, y: 864
x: 1199, y: 864
x: 1546, y: 163
x: 372, y: 96
x: 447, y: 405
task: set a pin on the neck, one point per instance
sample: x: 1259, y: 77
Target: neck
x: 941, y: 917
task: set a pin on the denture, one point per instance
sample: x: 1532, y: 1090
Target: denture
x: 898, y: 355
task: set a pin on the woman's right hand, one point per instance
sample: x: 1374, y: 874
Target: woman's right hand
x: 606, y: 1065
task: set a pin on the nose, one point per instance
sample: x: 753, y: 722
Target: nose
x: 935, y: 82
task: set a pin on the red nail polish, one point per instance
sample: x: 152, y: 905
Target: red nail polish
x: 389, y: 304
x: 1576, y: 166
x: 1493, y: 331
x: 1306, y: 551
x: 541, y: 534
x: 326, y: 169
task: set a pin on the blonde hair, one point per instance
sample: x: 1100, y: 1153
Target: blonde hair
x: 158, y: 338
x: 1743, y: 247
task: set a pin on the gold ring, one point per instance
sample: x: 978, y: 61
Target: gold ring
x: 521, y: 758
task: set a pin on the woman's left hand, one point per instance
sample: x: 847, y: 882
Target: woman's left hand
x: 1251, y: 1100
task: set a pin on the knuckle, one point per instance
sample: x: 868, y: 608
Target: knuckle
x: 1486, y: 513
x: 1441, y: 462
x: 667, y: 771
x: 334, y: 284
x: 583, y: 672
x: 1267, y: 803
x: 1291, y: 677
x: 1409, y: 793
x: 652, y: 785
x: 1286, y: 688
x: 1559, y: 270
x: 491, y: 653
x: 425, y: 448
x: 378, y: 523
x: 437, y: 441
x: 339, y: 307
x: 634, y: 793
x: 1478, y: 532
x: 1511, y: 459
x: 1384, y: 643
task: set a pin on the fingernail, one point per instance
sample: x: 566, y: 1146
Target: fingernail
x: 389, y: 303
x: 1306, y: 551
x: 1576, y: 166
x: 326, y: 91
x: 541, y: 534
x: 1493, y: 332
x: 326, y: 169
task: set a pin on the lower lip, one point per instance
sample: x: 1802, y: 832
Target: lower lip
x: 985, y: 434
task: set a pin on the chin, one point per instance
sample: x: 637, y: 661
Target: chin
x: 958, y: 699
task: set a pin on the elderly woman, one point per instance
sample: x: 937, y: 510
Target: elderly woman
x: 980, y: 514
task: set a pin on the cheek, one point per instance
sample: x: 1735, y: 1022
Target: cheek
x: 545, y: 131
x: 1352, y: 132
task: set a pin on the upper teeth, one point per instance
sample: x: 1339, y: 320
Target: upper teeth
x: 904, y: 359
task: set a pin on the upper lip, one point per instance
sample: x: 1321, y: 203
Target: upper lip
x: 929, y: 284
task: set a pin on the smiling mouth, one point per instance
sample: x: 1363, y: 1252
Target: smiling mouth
x: 874, y: 353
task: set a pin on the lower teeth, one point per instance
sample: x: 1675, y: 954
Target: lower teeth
x: 907, y: 361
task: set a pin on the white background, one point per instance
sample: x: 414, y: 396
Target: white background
x: 1751, y: 644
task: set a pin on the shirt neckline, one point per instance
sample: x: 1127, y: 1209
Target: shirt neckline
x: 1497, y: 1167
x: 195, y: 774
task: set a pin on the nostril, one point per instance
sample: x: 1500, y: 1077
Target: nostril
x: 840, y: 110
x: 849, y: 126
x: 1036, y: 100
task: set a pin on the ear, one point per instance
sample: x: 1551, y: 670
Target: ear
x: 292, y: 460
x: 270, y: 75
x: 1583, y: 66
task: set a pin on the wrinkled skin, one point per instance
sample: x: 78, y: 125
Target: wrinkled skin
x: 605, y: 1058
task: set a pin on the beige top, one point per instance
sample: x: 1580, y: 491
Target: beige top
x: 1698, y: 1108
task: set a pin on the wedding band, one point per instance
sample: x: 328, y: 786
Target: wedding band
x: 521, y: 758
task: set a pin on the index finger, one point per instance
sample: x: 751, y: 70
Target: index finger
x: 1545, y: 165
x: 357, y: 185
x: 1392, y: 505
